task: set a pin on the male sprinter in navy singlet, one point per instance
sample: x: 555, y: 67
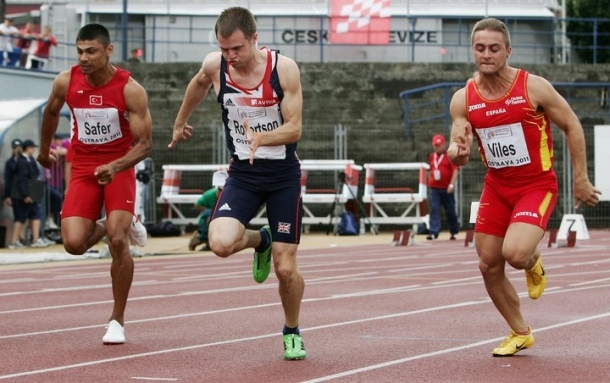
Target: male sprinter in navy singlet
x: 262, y: 102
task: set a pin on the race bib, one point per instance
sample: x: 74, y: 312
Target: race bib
x: 504, y: 146
x: 97, y: 126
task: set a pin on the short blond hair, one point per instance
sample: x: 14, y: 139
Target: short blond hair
x: 494, y: 25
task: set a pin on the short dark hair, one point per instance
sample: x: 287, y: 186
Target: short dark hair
x: 92, y: 32
x: 233, y: 19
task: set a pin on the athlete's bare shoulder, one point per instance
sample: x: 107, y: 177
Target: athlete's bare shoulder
x: 211, y: 63
x: 62, y: 82
x: 540, y: 91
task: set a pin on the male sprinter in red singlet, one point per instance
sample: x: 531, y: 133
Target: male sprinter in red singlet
x: 261, y: 98
x: 111, y: 133
x: 510, y: 112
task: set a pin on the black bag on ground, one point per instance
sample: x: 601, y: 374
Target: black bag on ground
x: 164, y: 229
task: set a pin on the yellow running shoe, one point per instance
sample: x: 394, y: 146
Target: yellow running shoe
x: 536, y: 280
x: 514, y: 343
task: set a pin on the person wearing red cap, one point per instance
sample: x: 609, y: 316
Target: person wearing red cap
x: 510, y: 112
x: 441, y: 181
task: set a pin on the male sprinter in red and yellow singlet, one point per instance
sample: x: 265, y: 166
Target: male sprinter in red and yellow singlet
x: 510, y: 112
x: 111, y: 132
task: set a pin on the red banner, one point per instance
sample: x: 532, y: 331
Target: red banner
x: 363, y: 22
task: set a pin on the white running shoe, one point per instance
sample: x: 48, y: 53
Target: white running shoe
x: 50, y: 224
x: 105, y: 252
x: 39, y: 243
x: 138, y: 233
x: 102, y: 221
x: 16, y: 245
x: 115, y: 333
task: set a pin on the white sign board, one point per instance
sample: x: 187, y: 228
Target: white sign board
x: 601, y: 140
x: 573, y: 222
x: 474, y: 209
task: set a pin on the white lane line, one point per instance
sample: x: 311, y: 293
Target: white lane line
x: 154, y: 379
x: 445, y: 351
x: 231, y: 341
x: 591, y: 282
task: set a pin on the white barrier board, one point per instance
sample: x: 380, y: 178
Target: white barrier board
x: 573, y: 222
x: 474, y: 209
x: 601, y: 137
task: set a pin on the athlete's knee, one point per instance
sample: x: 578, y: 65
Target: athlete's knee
x: 490, y: 267
x: 221, y: 245
x: 118, y: 244
x: 75, y: 247
x: 286, y: 272
x: 518, y: 258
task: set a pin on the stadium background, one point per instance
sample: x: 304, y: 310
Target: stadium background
x: 382, y: 106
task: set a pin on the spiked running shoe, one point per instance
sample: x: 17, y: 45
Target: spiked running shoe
x: 261, y: 266
x: 514, y: 343
x: 536, y: 280
x: 294, y: 348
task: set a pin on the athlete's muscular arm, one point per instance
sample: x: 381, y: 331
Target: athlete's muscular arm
x: 50, y: 118
x: 461, y: 131
x: 291, y: 107
x: 545, y: 97
x: 141, y: 128
x: 196, y: 91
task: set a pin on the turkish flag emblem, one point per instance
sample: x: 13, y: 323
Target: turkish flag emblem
x: 360, y: 22
x: 95, y: 100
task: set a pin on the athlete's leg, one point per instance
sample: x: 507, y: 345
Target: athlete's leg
x: 228, y: 235
x: 291, y: 282
x: 498, y: 286
x: 119, y: 197
x: 121, y: 269
x: 227, y: 228
x: 520, y: 248
x: 80, y: 211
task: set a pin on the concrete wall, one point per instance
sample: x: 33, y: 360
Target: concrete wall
x: 361, y: 96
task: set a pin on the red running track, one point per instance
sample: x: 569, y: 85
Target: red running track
x: 372, y: 313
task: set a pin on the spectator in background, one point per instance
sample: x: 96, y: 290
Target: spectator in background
x: 7, y: 32
x: 43, y: 48
x: 55, y: 176
x: 10, y: 172
x: 135, y: 56
x: 205, y: 204
x: 441, y: 181
x: 24, y: 42
x: 26, y: 196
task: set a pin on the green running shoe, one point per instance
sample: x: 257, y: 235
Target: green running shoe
x: 294, y: 348
x: 261, y: 265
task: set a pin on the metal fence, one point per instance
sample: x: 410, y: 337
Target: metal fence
x: 188, y: 38
x: 588, y: 100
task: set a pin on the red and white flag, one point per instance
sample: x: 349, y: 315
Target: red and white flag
x: 360, y: 22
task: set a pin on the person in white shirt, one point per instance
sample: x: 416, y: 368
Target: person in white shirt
x: 7, y: 32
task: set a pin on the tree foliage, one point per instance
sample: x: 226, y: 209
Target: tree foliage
x: 590, y: 35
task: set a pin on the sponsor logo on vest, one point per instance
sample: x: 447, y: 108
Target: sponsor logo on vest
x: 476, y: 106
